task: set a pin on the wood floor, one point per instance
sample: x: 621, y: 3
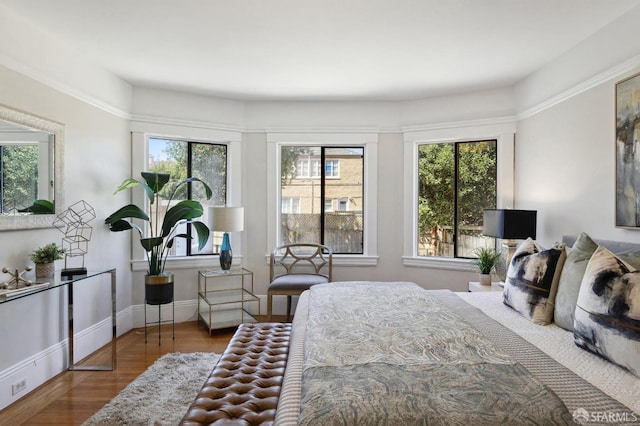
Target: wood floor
x: 72, y: 397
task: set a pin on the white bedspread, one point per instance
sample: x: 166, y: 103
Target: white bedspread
x: 558, y: 343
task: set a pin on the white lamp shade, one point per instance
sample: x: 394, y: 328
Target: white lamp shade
x: 227, y: 219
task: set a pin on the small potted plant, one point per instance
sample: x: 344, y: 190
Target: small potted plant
x: 486, y: 260
x: 44, y: 258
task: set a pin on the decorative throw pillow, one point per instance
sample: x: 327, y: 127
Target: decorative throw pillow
x: 532, y: 280
x: 631, y: 257
x: 570, y: 279
x: 607, y: 318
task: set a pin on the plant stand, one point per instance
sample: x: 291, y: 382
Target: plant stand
x: 160, y: 321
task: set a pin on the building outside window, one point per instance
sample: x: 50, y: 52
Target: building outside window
x: 456, y: 182
x: 340, y: 178
x: 183, y: 159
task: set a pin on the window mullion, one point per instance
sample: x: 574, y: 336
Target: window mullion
x: 189, y: 191
x: 456, y: 155
x: 322, y: 193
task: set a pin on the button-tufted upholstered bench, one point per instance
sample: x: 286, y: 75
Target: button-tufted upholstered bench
x: 244, y: 387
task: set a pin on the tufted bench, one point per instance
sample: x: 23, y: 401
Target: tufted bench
x: 244, y: 387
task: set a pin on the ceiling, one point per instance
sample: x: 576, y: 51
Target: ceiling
x: 321, y: 49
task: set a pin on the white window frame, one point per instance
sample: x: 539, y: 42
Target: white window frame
x: 502, y: 132
x: 369, y: 141
x: 140, y: 134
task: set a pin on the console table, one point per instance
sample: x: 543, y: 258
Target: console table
x: 58, y: 282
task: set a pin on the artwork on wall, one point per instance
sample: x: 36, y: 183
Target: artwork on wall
x: 628, y: 152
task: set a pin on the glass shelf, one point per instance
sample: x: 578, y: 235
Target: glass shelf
x: 222, y: 296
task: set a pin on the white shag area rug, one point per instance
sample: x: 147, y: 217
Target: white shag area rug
x: 162, y: 394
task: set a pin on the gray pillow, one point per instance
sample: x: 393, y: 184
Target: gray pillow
x: 532, y: 280
x: 570, y: 278
x: 631, y: 257
x: 607, y: 317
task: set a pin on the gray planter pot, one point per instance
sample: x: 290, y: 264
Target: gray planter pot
x: 45, y: 270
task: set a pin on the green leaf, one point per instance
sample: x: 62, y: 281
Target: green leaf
x: 207, y: 189
x: 127, y: 184
x: 149, y: 243
x: 40, y: 207
x: 185, y: 209
x: 128, y: 211
x: 203, y: 233
x: 156, y: 181
x: 120, y: 225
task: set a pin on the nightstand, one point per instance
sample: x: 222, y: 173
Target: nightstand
x: 223, y: 296
x: 476, y: 286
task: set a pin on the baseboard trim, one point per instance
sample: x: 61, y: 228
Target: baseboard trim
x: 46, y: 364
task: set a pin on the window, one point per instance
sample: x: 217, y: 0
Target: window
x: 332, y: 168
x: 291, y: 205
x: 456, y: 182
x: 18, y: 177
x: 343, y: 204
x: 315, y: 220
x: 308, y: 167
x: 183, y: 159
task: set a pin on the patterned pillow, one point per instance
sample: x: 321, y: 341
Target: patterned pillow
x: 607, y: 318
x: 570, y: 279
x: 532, y: 280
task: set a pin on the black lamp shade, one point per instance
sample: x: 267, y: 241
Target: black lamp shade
x: 509, y: 224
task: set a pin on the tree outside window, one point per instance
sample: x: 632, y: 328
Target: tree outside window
x: 182, y: 159
x: 18, y: 177
x: 456, y: 182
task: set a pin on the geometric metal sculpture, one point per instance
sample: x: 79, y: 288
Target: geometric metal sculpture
x: 73, y: 223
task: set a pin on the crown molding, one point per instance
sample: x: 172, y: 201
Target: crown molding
x: 141, y: 118
x: 611, y: 73
x: 459, y: 124
x: 63, y: 87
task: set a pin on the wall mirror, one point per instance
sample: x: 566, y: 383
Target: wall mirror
x: 31, y: 170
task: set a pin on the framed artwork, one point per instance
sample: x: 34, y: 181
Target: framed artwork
x: 628, y: 152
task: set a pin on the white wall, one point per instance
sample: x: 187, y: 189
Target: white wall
x: 564, y: 167
x: 33, y: 330
x: 565, y: 162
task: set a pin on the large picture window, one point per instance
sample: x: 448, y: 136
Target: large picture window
x: 456, y: 182
x: 183, y: 159
x: 315, y: 218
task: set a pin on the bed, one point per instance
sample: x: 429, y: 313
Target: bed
x: 394, y: 353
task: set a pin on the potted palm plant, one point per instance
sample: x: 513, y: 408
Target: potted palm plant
x: 44, y: 258
x: 162, y: 228
x: 486, y: 260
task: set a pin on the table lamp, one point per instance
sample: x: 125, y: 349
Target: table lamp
x: 226, y: 219
x: 509, y: 225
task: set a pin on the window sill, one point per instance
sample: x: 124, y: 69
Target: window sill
x: 184, y: 262
x: 348, y: 260
x: 449, y: 264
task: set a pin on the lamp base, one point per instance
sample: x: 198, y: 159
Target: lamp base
x: 226, y: 255
x: 510, y: 246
